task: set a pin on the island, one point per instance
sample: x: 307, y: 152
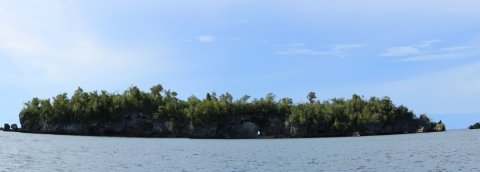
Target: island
x: 160, y: 113
x: 474, y: 126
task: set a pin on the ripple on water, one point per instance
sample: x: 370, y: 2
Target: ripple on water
x: 449, y: 151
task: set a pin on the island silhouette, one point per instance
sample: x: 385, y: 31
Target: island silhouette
x: 159, y: 113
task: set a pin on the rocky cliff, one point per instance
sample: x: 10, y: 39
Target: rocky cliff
x: 245, y: 126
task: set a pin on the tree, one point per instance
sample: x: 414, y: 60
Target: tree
x: 208, y: 97
x: 156, y: 90
x: 79, y: 104
x: 227, y: 97
x: 311, y: 97
x: 424, y: 118
x: 285, y: 106
x: 244, y: 99
x: 61, y: 108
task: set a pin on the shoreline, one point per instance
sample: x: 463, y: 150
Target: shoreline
x: 220, y: 138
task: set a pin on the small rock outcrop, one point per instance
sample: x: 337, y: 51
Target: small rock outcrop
x: 426, y: 125
x: 475, y: 126
x: 14, y: 127
x: 6, y: 127
x: 439, y: 127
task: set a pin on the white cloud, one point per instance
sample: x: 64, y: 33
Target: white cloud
x: 45, y: 46
x: 410, y: 50
x: 435, y: 56
x: 401, y: 51
x: 337, y: 50
x: 424, y: 51
x: 428, y: 43
x: 205, y: 38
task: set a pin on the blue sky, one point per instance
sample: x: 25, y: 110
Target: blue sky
x: 422, y: 54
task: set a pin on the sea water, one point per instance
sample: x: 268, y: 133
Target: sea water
x: 457, y: 150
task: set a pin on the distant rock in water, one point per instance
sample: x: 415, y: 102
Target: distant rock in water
x: 6, y: 127
x: 14, y: 127
x: 475, y: 126
x: 159, y: 113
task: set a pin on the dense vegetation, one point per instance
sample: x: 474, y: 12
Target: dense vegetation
x: 339, y: 116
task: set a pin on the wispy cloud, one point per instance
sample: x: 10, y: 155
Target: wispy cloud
x: 337, y: 50
x: 205, y: 38
x: 425, y: 51
x: 71, y: 53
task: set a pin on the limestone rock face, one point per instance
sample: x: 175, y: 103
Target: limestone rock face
x: 274, y: 127
x: 296, y: 130
x: 204, y: 131
x: 159, y: 129
x: 250, y: 130
x: 138, y: 125
x: 239, y: 126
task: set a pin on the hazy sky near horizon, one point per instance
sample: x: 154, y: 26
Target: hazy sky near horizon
x: 422, y: 54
